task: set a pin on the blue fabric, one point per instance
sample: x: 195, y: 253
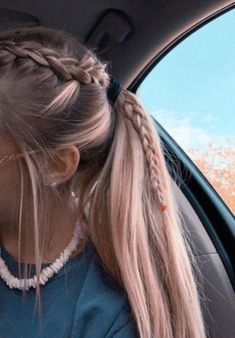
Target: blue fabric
x: 82, y: 300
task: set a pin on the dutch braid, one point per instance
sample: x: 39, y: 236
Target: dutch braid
x: 85, y: 71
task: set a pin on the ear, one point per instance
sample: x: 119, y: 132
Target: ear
x: 65, y: 166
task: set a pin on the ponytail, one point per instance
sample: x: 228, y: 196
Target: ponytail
x: 144, y: 247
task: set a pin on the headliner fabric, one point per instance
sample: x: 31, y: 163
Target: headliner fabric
x: 82, y: 300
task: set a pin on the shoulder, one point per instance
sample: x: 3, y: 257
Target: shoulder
x: 102, y: 310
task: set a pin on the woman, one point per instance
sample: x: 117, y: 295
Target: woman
x: 88, y: 223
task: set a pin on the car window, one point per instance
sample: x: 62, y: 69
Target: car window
x: 191, y: 93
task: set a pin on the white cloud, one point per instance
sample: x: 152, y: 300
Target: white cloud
x: 183, y: 130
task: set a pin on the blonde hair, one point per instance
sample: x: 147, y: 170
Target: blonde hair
x: 122, y: 180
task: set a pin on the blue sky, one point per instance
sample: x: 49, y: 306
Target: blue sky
x: 191, y: 92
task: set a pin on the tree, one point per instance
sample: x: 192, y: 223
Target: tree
x: 217, y: 163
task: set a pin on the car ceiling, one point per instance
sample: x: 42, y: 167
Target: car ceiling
x: 129, y: 34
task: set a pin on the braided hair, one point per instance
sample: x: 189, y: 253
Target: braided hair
x: 55, y: 88
x: 85, y: 71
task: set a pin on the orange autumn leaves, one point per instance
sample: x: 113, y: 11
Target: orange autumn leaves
x: 217, y: 163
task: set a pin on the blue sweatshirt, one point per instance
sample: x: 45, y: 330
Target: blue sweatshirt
x: 82, y: 300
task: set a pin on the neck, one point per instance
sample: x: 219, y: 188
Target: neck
x: 57, y: 236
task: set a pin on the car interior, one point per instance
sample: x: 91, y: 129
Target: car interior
x: 133, y: 36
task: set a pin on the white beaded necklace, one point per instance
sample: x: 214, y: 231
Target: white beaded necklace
x: 47, y: 272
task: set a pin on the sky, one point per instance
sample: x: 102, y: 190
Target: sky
x: 191, y: 92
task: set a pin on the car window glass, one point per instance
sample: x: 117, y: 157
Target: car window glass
x: 191, y: 92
